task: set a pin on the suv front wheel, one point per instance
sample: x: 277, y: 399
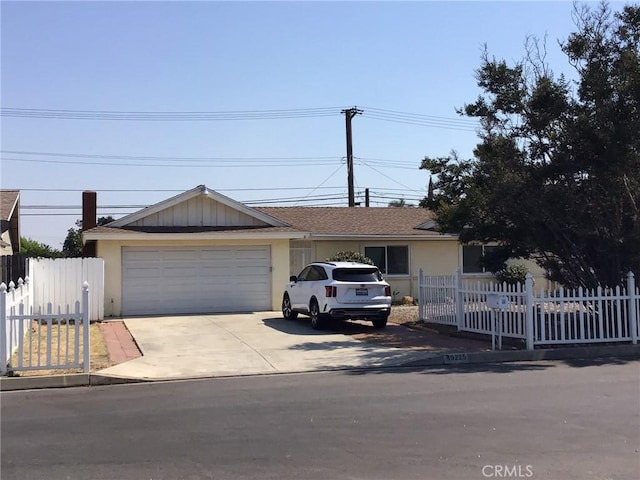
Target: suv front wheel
x: 287, y: 310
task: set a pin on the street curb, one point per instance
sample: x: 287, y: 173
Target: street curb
x: 45, y: 381
x: 8, y: 384
x: 443, y: 359
x: 573, y: 353
x: 97, y: 379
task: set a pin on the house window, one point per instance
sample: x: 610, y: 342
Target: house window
x: 299, y: 256
x: 472, y: 258
x: 391, y: 260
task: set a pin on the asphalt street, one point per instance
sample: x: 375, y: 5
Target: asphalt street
x: 540, y: 420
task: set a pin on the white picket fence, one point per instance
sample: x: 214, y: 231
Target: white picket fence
x: 42, y: 319
x: 558, y: 317
x: 43, y: 339
x: 12, y: 329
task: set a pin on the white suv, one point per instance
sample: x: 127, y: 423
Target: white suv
x: 341, y: 290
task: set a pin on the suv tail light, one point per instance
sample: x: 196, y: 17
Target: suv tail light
x: 387, y: 291
x: 330, y: 291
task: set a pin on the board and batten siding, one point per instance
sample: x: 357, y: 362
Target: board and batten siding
x: 198, y: 212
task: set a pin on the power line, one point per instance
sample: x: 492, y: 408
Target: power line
x: 224, y: 161
x: 255, y: 164
x: 169, y: 191
x: 387, y: 176
x: 422, y: 117
x: 168, y: 116
x: 156, y: 158
x: 322, y: 183
x: 322, y: 199
x: 463, y: 124
x: 421, y: 123
x: 79, y: 214
x: 76, y: 207
x: 387, y: 163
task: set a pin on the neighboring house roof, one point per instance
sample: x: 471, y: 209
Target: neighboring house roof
x: 357, y: 221
x: 182, y: 217
x: 10, y: 222
x: 8, y: 203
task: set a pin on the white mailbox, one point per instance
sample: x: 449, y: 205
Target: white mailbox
x: 497, y: 301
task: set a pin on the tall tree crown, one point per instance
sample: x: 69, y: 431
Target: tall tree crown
x: 556, y: 174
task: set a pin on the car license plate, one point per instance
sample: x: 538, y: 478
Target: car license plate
x: 362, y: 291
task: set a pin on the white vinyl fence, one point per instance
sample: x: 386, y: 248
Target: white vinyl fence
x: 56, y: 337
x: 558, y: 317
x: 59, y: 281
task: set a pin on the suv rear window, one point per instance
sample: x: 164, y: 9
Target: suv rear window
x: 357, y: 275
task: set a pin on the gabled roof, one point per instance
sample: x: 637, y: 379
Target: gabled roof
x: 357, y: 221
x: 200, y: 190
x: 273, y: 222
x: 8, y: 203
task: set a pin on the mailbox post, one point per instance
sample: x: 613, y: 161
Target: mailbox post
x: 496, y: 302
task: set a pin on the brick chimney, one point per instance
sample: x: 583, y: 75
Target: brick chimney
x: 89, y: 220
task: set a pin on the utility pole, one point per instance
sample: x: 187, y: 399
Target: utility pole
x: 349, y: 113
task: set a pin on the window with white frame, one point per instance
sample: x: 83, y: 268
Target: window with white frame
x: 472, y: 258
x: 390, y: 259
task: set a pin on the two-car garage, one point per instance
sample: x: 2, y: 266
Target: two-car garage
x: 197, y: 279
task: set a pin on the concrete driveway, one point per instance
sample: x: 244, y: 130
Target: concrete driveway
x: 243, y: 344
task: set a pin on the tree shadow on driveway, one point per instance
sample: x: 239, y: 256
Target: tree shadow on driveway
x: 393, y: 336
x: 292, y: 327
x: 302, y: 326
x: 399, y: 348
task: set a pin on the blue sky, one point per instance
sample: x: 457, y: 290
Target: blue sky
x: 135, y: 56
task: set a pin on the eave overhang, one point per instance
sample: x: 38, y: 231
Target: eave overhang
x: 129, y: 235
x: 421, y: 238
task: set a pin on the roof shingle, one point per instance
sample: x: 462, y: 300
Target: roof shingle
x: 8, y: 199
x: 354, y: 220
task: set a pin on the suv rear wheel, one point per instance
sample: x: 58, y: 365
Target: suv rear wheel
x: 317, y: 319
x: 380, y: 322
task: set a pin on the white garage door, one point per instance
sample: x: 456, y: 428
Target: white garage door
x: 170, y: 280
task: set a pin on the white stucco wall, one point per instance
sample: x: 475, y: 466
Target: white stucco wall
x: 435, y: 257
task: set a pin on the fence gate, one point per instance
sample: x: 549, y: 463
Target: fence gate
x: 437, y: 299
x: 36, y: 339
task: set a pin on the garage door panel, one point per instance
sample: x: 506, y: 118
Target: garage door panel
x: 139, y: 255
x: 169, y: 280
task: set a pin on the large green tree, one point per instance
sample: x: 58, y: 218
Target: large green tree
x: 72, y: 246
x: 34, y: 249
x: 556, y: 175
